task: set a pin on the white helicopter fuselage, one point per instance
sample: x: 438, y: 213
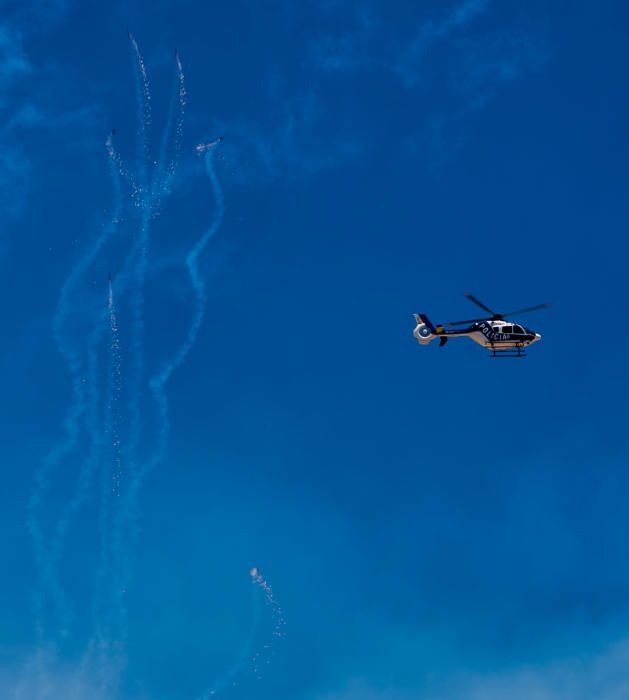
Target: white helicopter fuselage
x: 503, y: 338
x: 502, y: 334
x: 495, y: 335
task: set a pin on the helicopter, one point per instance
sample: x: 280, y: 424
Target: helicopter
x: 503, y: 338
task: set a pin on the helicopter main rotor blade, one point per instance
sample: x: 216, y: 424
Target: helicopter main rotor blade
x: 472, y: 298
x: 465, y: 323
x: 528, y: 308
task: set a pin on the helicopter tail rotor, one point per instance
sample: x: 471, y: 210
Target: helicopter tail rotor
x: 425, y: 332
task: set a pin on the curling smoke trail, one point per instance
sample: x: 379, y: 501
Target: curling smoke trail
x: 122, y: 539
x: 261, y: 657
x: 230, y: 679
x: 49, y: 586
x: 125, y: 529
x: 150, y: 183
x: 159, y: 380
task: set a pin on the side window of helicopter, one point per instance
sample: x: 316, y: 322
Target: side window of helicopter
x: 518, y: 329
x: 506, y: 329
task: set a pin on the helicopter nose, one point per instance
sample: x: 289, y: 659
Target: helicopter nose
x: 537, y: 337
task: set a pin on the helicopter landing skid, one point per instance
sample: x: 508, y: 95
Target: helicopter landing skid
x: 510, y: 352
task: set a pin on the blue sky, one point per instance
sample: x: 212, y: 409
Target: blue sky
x: 434, y: 525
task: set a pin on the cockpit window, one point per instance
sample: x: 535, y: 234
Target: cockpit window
x: 518, y: 329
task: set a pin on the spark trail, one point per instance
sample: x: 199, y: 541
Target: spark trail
x: 183, y: 97
x: 111, y: 472
x: 114, y: 393
x: 144, y: 111
x: 111, y: 480
x: 165, y: 173
x: 145, y: 203
x: 158, y: 187
x: 248, y: 663
x: 278, y: 621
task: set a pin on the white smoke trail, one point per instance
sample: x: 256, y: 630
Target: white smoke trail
x: 117, y: 520
x: 125, y: 529
x: 111, y: 470
x: 158, y: 381
x: 49, y: 586
x: 146, y: 202
x: 108, y: 668
x: 164, y: 175
x: 140, y: 261
x: 144, y: 112
x: 182, y: 100
x: 122, y: 538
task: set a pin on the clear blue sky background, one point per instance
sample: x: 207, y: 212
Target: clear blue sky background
x: 436, y: 525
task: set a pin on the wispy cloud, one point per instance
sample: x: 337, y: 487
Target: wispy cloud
x: 477, y: 56
x: 31, y: 116
x: 488, y: 63
x: 456, y: 60
x: 14, y: 165
x: 38, y: 15
x: 410, y: 63
x: 351, y: 50
x: 13, y: 61
x: 18, y: 74
x: 52, y: 10
x: 45, y: 676
x: 289, y: 143
x: 369, y: 46
x: 14, y: 172
x: 604, y: 677
x: 293, y: 140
